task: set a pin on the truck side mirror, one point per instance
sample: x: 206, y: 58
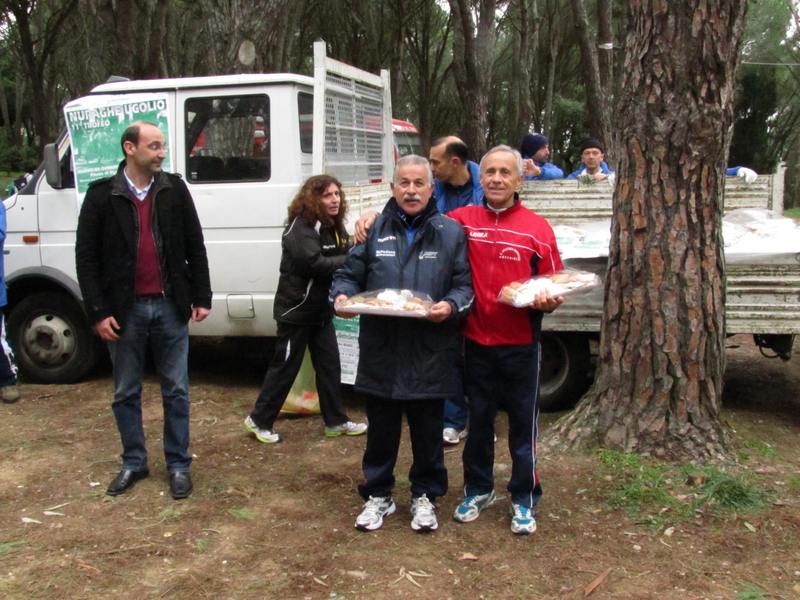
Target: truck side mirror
x: 52, y: 166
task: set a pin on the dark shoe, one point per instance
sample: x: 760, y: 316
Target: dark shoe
x: 125, y: 481
x: 9, y: 394
x: 180, y: 484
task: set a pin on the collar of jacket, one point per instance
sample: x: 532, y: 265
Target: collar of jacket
x: 511, y: 209
x: 119, y: 186
x: 393, y: 210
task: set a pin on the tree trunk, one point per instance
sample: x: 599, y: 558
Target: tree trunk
x: 473, y: 60
x: 662, y: 352
x: 153, y: 67
x: 526, y: 37
x: 4, y: 111
x: 597, y: 103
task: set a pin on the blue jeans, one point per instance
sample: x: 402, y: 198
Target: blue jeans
x: 455, y: 409
x: 161, y: 322
x: 507, y: 374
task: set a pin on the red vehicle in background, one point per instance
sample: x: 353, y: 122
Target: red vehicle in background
x: 406, y: 139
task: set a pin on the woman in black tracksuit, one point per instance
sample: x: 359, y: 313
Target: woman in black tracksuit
x: 314, y: 246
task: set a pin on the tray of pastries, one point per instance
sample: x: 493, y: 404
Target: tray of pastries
x: 563, y: 283
x: 387, y: 302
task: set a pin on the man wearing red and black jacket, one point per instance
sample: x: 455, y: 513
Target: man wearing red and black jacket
x: 507, y: 242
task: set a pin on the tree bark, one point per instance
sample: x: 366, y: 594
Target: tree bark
x: 473, y: 60
x: 597, y: 102
x: 662, y: 352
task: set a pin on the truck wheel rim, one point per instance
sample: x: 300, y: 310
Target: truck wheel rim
x: 49, y: 340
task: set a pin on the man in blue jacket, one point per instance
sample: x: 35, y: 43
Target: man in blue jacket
x: 456, y: 183
x: 592, y: 161
x: 535, y: 151
x: 406, y: 364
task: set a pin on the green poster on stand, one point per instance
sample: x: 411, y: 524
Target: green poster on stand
x: 96, y: 125
x: 347, y: 336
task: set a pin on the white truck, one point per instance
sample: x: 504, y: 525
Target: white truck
x: 244, y: 144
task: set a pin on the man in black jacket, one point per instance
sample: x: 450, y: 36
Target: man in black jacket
x: 143, y: 272
x: 406, y: 364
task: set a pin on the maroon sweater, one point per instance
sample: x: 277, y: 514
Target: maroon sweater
x: 148, y: 267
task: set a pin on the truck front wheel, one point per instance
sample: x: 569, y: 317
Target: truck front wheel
x: 566, y: 370
x: 52, y: 339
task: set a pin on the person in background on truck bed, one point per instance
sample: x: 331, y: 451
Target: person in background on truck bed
x: 407, y: 365
x: 507, y: 243
x: 592, y: 161
x: 314, y: 243
x: 143, y: 272
x: 8, y: 366
x: 535, y: 151
x: 457, y: 183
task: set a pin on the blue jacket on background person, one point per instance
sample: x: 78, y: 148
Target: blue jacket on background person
x: 603, y: 169
x: 470, y: 194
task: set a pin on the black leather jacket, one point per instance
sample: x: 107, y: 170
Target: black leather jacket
x: 107, y: 242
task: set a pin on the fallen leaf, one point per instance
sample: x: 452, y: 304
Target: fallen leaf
x: 468, y: 556
x: 750, y: 527
x: 89, y: 567
x: 27, y: 520
x: 359, y: 574
x: 591, y: 587
x: 420, y: 574
x: 412, y: 580
x: 52, y: 513
x: 669, y: 531
x: 58, y: 506
x: 319, y: 581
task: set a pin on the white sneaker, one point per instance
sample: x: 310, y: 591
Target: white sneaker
x: 268, y: 436
x: 348, y: 428
x: 424, y: 514
x: 374, y: 511
x: 452, y: 436
x: 522, y: 521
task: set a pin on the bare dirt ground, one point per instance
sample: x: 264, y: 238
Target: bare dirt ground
x: 276, y: 521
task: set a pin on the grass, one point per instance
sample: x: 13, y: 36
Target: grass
x: 655, y: 493
x: 792, y: 213
x: 242, y: 513
x: 8, y: 547
x: 749, y: 591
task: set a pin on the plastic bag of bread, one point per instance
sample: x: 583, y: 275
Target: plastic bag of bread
x: 388, y: 302
x: 563, y: 283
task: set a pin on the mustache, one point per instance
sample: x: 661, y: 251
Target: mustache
x: 412, y: 197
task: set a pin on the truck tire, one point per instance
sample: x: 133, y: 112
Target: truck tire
x: 52, y: 339
x: 566, y: 370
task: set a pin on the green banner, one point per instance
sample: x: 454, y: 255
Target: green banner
x: 96, y: 125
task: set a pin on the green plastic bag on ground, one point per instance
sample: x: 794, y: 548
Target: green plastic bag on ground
x: 303, y: 398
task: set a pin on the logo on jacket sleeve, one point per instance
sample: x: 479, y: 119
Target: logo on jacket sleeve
x: 479, y: 234
x: 389, y: 253
x: 423, y: 255
x: 509, y: 253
